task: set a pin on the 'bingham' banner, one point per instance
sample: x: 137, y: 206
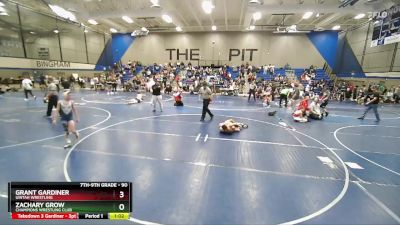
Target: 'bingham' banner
x: 52, y: 64
x: 21, y: 63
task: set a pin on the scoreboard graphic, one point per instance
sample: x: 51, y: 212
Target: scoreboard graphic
x: 386, y: 27
x: 70, y: 200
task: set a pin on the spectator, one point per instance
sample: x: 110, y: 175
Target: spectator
x: 27, y: 86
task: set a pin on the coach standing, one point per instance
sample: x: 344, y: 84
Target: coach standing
x: 372, y: 104
x: 205, y: 93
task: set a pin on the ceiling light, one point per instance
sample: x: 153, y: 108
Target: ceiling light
x: 255, y: 2
x: 92, y: 21
x: 155, y: 4
x: 179, y: 29
x: 127, y: 19
x: 214, y: 28
x: 291, y: 29
x: 166, y: 18
x: 3, y: 14
x: 207, y: 6
x: 113, y: 30
x: 257, y: 16
x: 317, y: 15
x: 56, y: 31
x: 307, y: 15
x: 85, y: 30
x: 1, y: 4
x: 337, y: 27
x: 61, y: 12
x: 359, y: 16
x: 32, y: 32
x: 252, y: 27
x: 2, y: 9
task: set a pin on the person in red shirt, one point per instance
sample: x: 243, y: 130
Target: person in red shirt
x: 178, y: 98
x: 303, y: 106
x: 302, y: 111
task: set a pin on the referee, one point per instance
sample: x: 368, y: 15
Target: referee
x: 205, y: 93
x: 51, y: 96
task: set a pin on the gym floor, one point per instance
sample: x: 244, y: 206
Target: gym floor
x: 336, y: 171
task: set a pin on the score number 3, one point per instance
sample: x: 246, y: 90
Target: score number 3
x: 121, y: 206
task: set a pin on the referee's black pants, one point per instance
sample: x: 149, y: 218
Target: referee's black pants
x: 206, y: 102
x: 53, y: 99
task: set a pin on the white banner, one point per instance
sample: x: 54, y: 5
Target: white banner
x: 386, y: 27
x: 21, y: 63
x: 386, y: 40
x: 384, y: 75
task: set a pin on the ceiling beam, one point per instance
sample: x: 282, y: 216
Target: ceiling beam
x: 212, y: 20
x: 175, y: 19
x: 172, y: 10
x: 271, y: 17
x: 328, y: 20
x: 181, y: 18
x: 320, y: 8
x: 226, y: 16
x: 248, y: 18
x: 151, y: 12
x: 114, y: 25
x: 189, y: 5
x: 241, y: 12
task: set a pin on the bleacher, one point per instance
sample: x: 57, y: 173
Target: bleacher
x: 320, y: 73
x: 128, y: 75
x: 354, y: 75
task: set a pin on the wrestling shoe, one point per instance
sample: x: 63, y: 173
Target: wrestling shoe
x: 68, y: 145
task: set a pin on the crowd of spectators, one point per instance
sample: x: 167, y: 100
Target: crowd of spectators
x: 173, y: 77
x: 178, y: 77
x: 347, y: 91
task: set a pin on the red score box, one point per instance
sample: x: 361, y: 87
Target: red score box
x: 44, y: 216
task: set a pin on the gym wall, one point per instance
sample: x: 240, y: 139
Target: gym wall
x: 375, y: 59
x: 31, y: 34
x: 277, y: 49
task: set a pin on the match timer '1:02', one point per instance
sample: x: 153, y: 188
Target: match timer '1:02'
x: 70, y: 200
